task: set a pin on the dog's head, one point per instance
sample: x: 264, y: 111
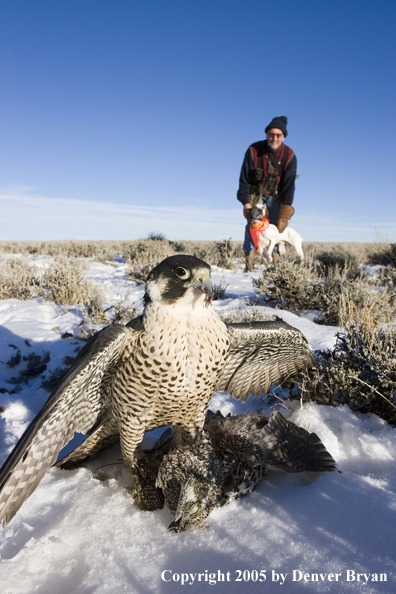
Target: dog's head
x: 259, y: 212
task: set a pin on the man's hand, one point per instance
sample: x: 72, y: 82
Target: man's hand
x: 247, y: 211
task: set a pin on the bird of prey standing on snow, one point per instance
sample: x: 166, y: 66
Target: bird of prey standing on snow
x: 161, y: 368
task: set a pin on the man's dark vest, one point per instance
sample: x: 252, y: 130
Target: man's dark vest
x: 268, y: 169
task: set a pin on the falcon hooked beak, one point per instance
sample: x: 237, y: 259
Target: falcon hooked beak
x: 203, y: 283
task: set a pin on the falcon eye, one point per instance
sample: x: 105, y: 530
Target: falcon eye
x: 182, y: 273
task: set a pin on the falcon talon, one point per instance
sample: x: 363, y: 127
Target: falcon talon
x: 175, y: 526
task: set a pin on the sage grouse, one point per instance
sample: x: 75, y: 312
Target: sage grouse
x: 227, y: 460
x: 161, y: 368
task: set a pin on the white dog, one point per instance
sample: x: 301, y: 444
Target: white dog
x: 266, y: 236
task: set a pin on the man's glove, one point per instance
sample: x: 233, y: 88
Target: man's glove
x: 286, y: 212
x: 247, y: 211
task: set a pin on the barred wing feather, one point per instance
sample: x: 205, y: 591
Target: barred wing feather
x: 291, y: 448
x: 281, y: 444
x: 75, y: 405
x: 262, y: 354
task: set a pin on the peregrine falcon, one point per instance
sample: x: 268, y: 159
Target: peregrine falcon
x: 227, y: 460
x: 161, y: 368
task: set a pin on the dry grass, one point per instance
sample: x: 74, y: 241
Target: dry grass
x: 215, y: 252
x: 384, y: 254
x: 287, y: 285
x: 65, y: 283
x: 223, y: 254
x: 98, y: 250
x: 338, y: 258
x: 357, y: 250
x: 18, y: 279
x: 108, y: 250
x: 144, y: 255
x: 247, y: 314
x: 360, y: 371
x: 297, y: 285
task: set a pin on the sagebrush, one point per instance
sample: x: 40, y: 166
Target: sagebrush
x: 18, y: 279
x: 360, y: 371
x: 296, y: 285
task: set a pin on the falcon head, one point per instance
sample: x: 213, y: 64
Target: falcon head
x: 179, y: 277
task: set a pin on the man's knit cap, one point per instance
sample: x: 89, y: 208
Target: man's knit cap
x: 280, y: 123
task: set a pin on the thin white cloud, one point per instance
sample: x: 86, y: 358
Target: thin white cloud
x: 315, y: 226
x: 36, y: 218
x: 25, y: 216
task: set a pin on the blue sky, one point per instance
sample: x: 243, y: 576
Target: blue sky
x: 123, y: 117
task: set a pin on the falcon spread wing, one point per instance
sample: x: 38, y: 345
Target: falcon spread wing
x: 262, y: 354
x: 75, y: 405
x: 160, y: 369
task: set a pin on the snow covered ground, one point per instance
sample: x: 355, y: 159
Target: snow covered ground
x: 296, y: 533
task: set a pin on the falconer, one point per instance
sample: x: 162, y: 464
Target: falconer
x: 268, y: 170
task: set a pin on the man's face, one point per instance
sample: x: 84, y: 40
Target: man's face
x: 275, y: 138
